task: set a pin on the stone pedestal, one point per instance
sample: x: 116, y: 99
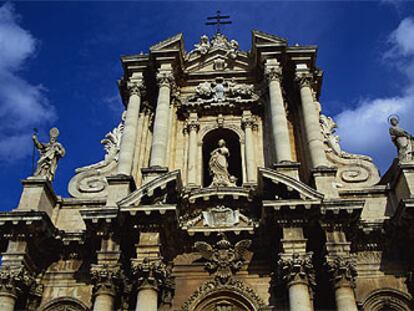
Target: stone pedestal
x: 119, y: 186
x: 38, y: 195
x: 161, y: 130
x: 404, y: 181
x: 128, y: 140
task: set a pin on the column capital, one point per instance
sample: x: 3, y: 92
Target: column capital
x: 15, y: 279
x: 147, y: 273
x: 192, y: 123
x: 135, y: 87
x: 297, y: 268
x: 304, y: 78
x: 342, y: 270
x: 165, y: 78
x: 273, y: 71
x: 105, y: 278
x: 249, y: 121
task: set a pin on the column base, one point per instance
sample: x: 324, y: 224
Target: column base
x: 288, y: 168
x: 150, y: 173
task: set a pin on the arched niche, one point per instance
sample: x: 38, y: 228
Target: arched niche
x: 387, y: 300
x: 210, y: 142
x: 64, y: 304
x: 224, y: 301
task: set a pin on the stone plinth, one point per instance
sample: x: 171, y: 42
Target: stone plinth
x: 324, y: 180
x: 288, y: 168
x: 119, y: 186
x: 150, y: 173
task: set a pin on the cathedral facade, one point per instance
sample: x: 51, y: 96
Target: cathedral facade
x: 222, y: 188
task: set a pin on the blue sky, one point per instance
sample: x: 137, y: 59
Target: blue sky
x: 59, y: 63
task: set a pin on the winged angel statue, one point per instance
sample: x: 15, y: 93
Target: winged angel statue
x: 223, y: 258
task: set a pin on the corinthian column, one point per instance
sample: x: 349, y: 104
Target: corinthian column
x: 192, y: 128
x: 128, y: 140
x: 161, y: 131
x: 280, y: 130
x: 248, y: 123
x: 105, y: 279
x: 343, y: 272
x: 13, y: 281
x: 298, y: 273
x: 152, y: 279
x: 311, y: 114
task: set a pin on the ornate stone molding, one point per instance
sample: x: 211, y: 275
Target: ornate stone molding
x: 15, y: 279
x: 223, y: 259
x: 214, y: 287
x: 192, y: 125
x: 249, y: 122
x: 297, y: 268
x: 304, y: 79
x: 106, y: 278
x: 342, y: 270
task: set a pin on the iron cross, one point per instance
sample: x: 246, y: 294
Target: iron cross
x: 219, y: 20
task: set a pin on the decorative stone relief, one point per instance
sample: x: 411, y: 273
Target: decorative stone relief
x: 15, y: 279
x: 297, y: 268
x: 90, y: 181
x: 105, y: 278
x: 353, y: 169
x: 223, y: 259
x: 219, y: 41
x: 403, y: 140
x: 342, y: 270
x: 50, y: 153
x: 220, y: 216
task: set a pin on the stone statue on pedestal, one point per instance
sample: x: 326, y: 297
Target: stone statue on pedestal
x: 402, y: 140
x: 218, y: 166
x: 50, y: 153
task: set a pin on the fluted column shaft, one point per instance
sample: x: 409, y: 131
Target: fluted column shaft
x: 311, y: 114
x: 345, y: 299
x: 299, y: 297
x: 161, y: 130
x: 280, y: 129
x: 128, y: 140
x: 7, y: 301
x: 249, y: 147
x: 104, y: 302
x: 192, y: 149
x: 147, y: 299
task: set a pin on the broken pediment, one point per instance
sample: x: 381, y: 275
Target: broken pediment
x: 162, y: 190
x: 174, y: 43
x: 276, y: 186
x: 261, y: 38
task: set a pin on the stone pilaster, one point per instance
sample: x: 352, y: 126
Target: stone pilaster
x: 192, y: 128
x: 310, y: 111
x: 248, y: 122
x: 280, y: 131
x: 105, y: 279
x: 165, y: 80
x: 128, y: 140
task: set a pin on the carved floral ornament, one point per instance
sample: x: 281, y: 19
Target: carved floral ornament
x: 165, y: 78
x: 297, y: 268
x: 105, y: 278
x: 136, y: 87
x: 342, y: 270
x: 14, y: 279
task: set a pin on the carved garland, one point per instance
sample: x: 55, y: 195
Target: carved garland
x: 215, y: 286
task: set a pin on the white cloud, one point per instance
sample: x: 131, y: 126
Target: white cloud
x: 364, y: 129
x: 22, y: 105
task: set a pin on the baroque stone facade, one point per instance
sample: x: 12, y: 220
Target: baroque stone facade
x: 224, y: 188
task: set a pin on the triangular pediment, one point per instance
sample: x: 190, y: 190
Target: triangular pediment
x: 280, y: 187
x: 160, y: 190
x: 174, y: 43
x: 262, y: 38
x: 217, y: 61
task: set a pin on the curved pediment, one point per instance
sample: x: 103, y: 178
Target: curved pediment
x: 155, y: 190
x: 286, y: 186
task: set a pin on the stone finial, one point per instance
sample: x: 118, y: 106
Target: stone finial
x: 342, y: 270
x: 403, y: 140
x: 296, y: 268
x: 223, y: 259
x: 50, y: 153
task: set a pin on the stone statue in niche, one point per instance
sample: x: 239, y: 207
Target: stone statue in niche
x: 50, y: 153
x: 218, y: 167
x: 402, y: 140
